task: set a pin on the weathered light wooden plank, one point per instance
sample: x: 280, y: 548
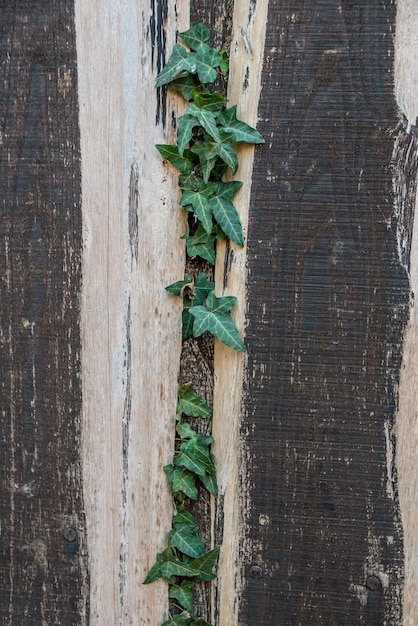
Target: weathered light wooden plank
x: 131, y: 327
x: 231, y: 509
x: 43, y: 574
x: 406, y: 67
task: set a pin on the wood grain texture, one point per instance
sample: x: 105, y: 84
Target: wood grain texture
x: 406, y: 63
x: 131, y: 327
x: 43, y: 573
x: 327, y: 306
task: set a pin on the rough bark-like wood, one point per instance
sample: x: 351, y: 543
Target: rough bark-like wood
x: 131, y: 326
x: 43, y: 574
x: 327, y: 295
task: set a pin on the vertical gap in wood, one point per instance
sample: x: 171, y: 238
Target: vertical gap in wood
x: 246, y: 60
x: 406, y: 80
x: 131, y: 327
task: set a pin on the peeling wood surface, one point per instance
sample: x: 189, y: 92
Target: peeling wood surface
x: 406, y: 63
x: 43, y: 571
x: 131, y: 327
x: 327, y: 306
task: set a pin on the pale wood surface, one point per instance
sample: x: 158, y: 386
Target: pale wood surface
x: 246, y: 60
x: 131, y: 329
x: 406, y: 83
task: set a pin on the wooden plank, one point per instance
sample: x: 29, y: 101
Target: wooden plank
x: 406, y: 63
x: 43, y: 569
x: 131, y: 327
x: 327, y: 306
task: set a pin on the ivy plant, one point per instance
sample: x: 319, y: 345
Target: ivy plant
x: 204, y: 154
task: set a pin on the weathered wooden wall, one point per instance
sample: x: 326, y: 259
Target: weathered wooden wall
x: 317, y: 510
x: 43, y: 568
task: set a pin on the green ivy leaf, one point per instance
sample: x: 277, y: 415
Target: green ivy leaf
x: 202, y: 244
x: 227, y: 153
x: 197, y: 34
x: 224, y: 65
x: 183, y: 593
x: 155, y: 571
x: 185, y: 430
x: 183, y: 518
x: 206, y: 119
x: 185, y: 126
x: 207, y: 59
x: 181, y: 480
x: 187, y: 542
x: 210, y: 483
x: 207, y: 157
x: 228, y: 219
x: 240, y: 130
x: 187, y: 324
x: 199, y: 201
x: 182, y: 619
x: 229, y: 189
x: 186, y: 86
x: 180, y: 61
x: 194, y: 458
x: 203, y: 565
x: 191, y: 404
x: 184, y: 162
x: 176, y: 567
x: 176, y: 288
x: 202, y: 288
x: 215, y: 318
x: 189, y: 180
x: 209, y: 101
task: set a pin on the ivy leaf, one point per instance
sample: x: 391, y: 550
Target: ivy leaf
x: 181, y: 481
x: 210, y: 483
x: 182, y: 619
x: 191, y: 404
x: 206, y: 119
x: 207, y: 157
x: 206, y: 60
x: 186, y: 86
x: 180, y: 61
x: 184, y: 162
x: 229, y: 189
x: 200, y: 622
x: 183, y: 518
x: 185, y: 430
x: 194, y: 458
x: 209, y: 101
x: 203, y: 565
x: 202, y: 244
x: 228, y: 219
x: 199, y: 201
x: 187, y: 542
x: 177, y: 288
x: 185, y: 126
x: 227, y: 153
x: 215, y: 318
x: 202, y: 288
x: 189, y: 181
x: 224, y: 64
x: 197, y: 34
x: 155, y: 571
x: 176, y: 567
x: 187, y: 324
x: 240, y: 130
x: 183, y: 593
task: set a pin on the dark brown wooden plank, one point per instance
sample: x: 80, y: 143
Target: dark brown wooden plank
x: 42, y: 567
x: 327, y: 295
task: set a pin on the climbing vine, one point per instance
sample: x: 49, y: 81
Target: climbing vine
x: 203, y: 154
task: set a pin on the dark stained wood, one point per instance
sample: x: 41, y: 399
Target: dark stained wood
x: 42, y: 547
x: 327, y: 296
